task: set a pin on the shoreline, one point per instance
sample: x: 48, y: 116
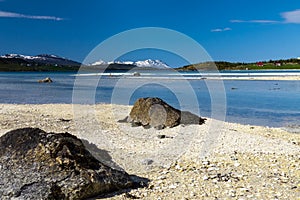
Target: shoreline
x: 176, y: 164
x: 199, y: 76
x: 264, y: 75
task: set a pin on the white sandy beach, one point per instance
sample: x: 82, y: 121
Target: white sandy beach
x: 214, y: 160
x: 264, y: 78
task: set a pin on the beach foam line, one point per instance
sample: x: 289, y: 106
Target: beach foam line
x: 201, y: 76
x: 238, y: 74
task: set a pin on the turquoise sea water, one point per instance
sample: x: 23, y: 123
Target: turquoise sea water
x: 267, y: 103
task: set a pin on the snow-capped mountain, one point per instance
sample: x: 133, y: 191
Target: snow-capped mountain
x: 19, y: 56
x: 99, y: 62
x: 149, y: 63
x: 39, y: 59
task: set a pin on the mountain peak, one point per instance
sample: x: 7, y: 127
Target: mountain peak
x: 158, y: 64
x: 151, y: 63
x: 50, y: 56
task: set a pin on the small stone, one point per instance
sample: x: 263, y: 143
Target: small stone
x: 236, y: 164
x: 151, y: 187
x: 205, y: 177
x: 161, y: 178
x: 161, y: 136
x: 172, y: 186
x: 159, y: 182
x: 244, y: 189
x: 192, y: 194
x: 233, y: 158
x: 213, y: 169
x: 45, y: 80
x: 66, y: 127
x: 136, y: 74
x: 215, y: 180
x: 164, y: 172
x: 205, y: 162
x: 284, y: 180
x: 147, y: 162
x: 177, y: 167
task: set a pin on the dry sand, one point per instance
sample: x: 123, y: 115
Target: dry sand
x: 217, y: 160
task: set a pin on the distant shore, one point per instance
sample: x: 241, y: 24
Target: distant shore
x: 252, y: 161
x: 262, y: 78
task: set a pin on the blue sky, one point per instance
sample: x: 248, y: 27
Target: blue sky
x: 230, y: 30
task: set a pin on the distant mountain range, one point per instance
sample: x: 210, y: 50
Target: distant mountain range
x: 157, y: 64
x: 46, y: 62
x: 43, y: 59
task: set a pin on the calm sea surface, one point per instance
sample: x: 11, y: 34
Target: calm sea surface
x: 267, y: 103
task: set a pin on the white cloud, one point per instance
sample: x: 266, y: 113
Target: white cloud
x: 216, y: 30
x: 18, y: 15
x: 291, y: 16
x: 221, y: 29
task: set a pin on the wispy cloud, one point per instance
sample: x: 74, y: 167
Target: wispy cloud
x: 18, y: 15
x: 221, y: 29
x: 290, y: 17
x: 259, y: 21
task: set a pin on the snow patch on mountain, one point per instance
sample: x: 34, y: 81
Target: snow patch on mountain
x: 145, y: 63
x: 151, y: 63
x: 38, y: 57
x: 99, y: 62
x: 19, y: 56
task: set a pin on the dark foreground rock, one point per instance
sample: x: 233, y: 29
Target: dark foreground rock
x: 154, y: 112
x: 39, y: 165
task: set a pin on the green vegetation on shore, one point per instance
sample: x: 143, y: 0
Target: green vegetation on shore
x: 264, y: 65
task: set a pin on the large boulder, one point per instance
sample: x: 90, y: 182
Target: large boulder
x: 39, y: 165
x: 154, y: 112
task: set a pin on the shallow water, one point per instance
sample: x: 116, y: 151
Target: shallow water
x: 267, y: 103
